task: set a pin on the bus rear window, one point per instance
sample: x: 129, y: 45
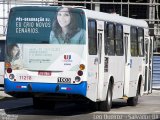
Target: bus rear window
x: 50, y: 26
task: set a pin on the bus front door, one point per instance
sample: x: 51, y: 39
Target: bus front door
x: 127, y: 65
x: 94, y: 65
x: 100, y: 66
x: 148, y: 65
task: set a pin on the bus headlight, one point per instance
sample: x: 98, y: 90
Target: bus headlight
x: 80, y: 73
x: 77, y: 79
x: 7, y: 65
x: 9, y: 70
x: 81, y: 66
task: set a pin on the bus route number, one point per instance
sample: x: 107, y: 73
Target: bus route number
x: 25, y: 77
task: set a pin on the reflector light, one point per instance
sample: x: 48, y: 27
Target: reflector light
x: 18, y: 86
x: 77, y: 78
x: 9, y: 70
x: 11, y: 76
x: 80, y: 73
x: 7, y: 65
x: 82, y: 67
x: 68, y: 88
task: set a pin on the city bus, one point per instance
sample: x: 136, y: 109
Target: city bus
x: 101, y: 58
x: 2, y: 55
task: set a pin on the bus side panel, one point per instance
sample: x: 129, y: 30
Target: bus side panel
x: 2, y: 73
x: 136, y: 71
x: 116, y: 70
x: 92, y: 78
x: 2, y: 53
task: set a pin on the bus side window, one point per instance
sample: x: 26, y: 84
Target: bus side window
x: 140, y: 41
x: 92, y: 37
x: 110, y: 47
x: 134, y: 42
x: 119, y: 39
x: 2, y: 48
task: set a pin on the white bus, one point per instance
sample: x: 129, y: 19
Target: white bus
x: 65, y: 53
x: 2, y: 55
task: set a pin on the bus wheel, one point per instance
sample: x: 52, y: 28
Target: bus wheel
x: 133, y: 101
x: 107, y: 104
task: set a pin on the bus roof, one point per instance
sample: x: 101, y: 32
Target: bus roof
x: 115, y: 18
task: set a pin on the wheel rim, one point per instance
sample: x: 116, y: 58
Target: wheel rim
x: 109, y: 97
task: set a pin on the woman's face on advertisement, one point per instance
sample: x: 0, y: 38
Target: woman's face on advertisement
x: 64, y: 17
x: 14, y: 51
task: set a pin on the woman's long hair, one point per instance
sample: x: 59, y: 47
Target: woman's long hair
x: 9, y: 50
x: 73, y: 27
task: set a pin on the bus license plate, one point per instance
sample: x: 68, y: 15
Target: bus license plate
x: 44, y: 73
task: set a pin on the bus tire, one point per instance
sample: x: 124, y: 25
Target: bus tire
x: 107, y: 104
x: 133, y: 101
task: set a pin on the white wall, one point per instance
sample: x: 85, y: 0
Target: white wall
x: 3, y: 14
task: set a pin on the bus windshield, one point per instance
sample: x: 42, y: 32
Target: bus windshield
x: 55, y: 25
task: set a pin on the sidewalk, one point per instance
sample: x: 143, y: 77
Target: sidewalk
x: 155, y: 93
x: 3, y: 94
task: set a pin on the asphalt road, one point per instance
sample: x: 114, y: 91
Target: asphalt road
x: 148, y: 108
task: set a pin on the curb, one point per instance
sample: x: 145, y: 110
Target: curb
x: 3, y: 94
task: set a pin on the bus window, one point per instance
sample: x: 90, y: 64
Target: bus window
x: 134, y: 43
x: 119, y: 39
x: 44, y: 27
x: 2, y: 48
x: 105, y: 40
x: 110, y: 39
x: 140, y: 42
x: 92, y: 37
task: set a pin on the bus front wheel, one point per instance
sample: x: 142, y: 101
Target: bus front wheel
x: 107, y: 104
